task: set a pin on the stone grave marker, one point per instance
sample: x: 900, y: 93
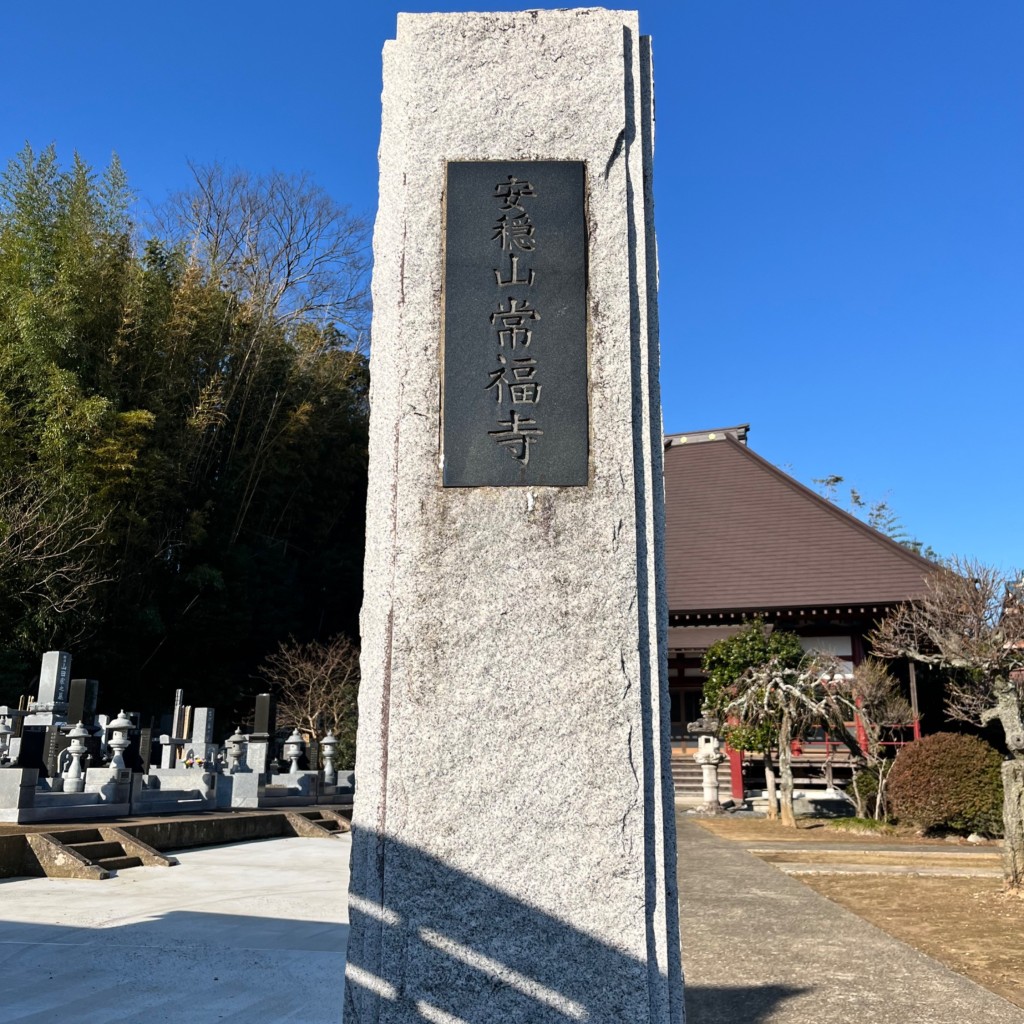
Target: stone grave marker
x: 202, y: 734
x: 50, y: 705
x: 54, y: 678
x: 146, y: 747
x: 513, y: 851
x: 82, y: 701
x: 264, y: 719
x: 202, y: 726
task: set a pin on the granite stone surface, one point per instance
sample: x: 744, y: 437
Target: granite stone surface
x: 513, y: 845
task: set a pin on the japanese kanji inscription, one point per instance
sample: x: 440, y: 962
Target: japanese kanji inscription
x: 515, y: 405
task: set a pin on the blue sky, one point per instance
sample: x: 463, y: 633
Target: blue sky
x: 838, y: 203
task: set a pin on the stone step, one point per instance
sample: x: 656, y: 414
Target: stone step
x: 119, y: 863
x: 319, y: 817
x: 96, y: 851
x: 325, y: 821
x: 689, y: 777
x: 74, y: 836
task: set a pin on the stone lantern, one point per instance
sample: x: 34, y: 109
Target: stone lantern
x: 118, y: 742
x: 235, y: 747
x: 329, y: 746
x: 74, y: 777
x: 5, y: 739
x: 293, y: 748
x: 709, y: 756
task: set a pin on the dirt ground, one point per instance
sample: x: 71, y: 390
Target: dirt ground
x: 968, y: 924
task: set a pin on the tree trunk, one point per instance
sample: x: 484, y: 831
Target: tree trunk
x: 882, y: 799
x: 769, y: 783
x: 858, y: 799
x: 1013, y: 824
x: 786, y: 771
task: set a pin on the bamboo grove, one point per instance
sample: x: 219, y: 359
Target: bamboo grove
x: 183, y: 412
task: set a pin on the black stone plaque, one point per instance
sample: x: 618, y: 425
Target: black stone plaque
x: 54, y: 743
x: 31, y: 754
x: 77, y: 701
x: 515, y: 403
x: 132, y: 755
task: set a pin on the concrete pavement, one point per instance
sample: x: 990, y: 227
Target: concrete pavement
x: 253, y: 934
x: 256, y: 933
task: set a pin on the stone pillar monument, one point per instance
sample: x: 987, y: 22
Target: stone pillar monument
x: 514, y: 851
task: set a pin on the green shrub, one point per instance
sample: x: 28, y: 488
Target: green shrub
x: 948, y: 781
x: 865, y: 786
x: 866, y: 780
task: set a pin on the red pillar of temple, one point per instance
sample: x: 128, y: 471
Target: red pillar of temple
x: 735, y: 772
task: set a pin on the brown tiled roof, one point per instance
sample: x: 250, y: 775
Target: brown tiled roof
x: 742, y: 535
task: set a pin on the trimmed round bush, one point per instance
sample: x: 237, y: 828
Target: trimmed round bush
x: 949, y: 781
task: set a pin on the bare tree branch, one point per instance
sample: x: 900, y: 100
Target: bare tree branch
x: 315, y: 685
x: 970, y: 619
x: 47, y: 556
x: 280, y: 242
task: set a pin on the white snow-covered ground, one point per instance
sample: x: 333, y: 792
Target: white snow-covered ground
x: 253, y: 933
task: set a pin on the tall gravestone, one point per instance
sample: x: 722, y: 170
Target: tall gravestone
x: 82, y: 701
x: 54, y: 678
x: 513, y: 853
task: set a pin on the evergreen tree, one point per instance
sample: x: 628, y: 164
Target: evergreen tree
x: 182, y: 461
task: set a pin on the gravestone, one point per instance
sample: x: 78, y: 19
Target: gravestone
x: 202, y: 726
x: 513, y: 851
x: 145, y: 748
x: 50, y: 705
x: 201, y: 743
x: 82, y: 701
x: 54, y: 678
x: 264, y: 719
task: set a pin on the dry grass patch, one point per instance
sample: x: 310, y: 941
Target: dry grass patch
x: 965, y: 923
x: 808, y: 830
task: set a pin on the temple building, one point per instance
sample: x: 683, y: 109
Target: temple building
x: 744, y: 539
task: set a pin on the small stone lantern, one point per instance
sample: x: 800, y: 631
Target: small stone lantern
x: 74, y: 777
x: 329, y: 746
x: 235, y: 747
x: 5, y: 739
x: 709, y: 756
x: 118, y: 743
x: 293, y: 748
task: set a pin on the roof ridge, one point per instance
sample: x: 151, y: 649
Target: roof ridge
x: 738, y: 432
